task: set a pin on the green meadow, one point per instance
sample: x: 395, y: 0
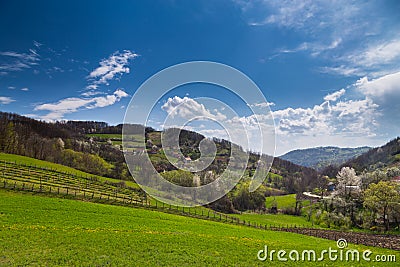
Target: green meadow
x: 42, y: 231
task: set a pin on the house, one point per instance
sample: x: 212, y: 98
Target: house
x: 188, y: 159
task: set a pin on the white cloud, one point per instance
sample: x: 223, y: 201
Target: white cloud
x: 13, y: 61
x: 385, y: 91
x: 92, y: 87
x: 120, y: 93
x: 263, y: 104
x: 114, y: 65
x: 357, y: 38
x: 344, y: 70
x: 341, y: 123
x: 337, y: 18
x: 69, y: 105
x: 380, y: 58
x: 380, y: 53
x: 4, y: 100
x: 335, y: 96
x: 189, y: 108
x: 370, y: 120
x: 25, y: 89
x: 92, y: 93
x: 386, y: 86
x: 345, y: 117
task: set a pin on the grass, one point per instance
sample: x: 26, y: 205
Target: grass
x: 281, y: 220
x: 57, y: 167
x: 45, y: 231
x: 285, y: 201
x: 105, y: 136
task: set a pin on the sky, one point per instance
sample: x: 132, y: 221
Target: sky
x: 329, y: 70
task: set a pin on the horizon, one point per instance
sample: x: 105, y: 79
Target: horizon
x: 296, y: 149
x: 330, y: 75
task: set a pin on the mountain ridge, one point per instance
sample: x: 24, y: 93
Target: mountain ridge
x: 321, y: 157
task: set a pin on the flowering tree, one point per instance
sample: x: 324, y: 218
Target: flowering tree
x: 348, y: 183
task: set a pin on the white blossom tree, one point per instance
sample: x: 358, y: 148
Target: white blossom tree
x: 348, y: 182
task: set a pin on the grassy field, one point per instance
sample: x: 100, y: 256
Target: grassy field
x: 48, y: 231
x: 106, y: 136
x: 281, y: 220
x: 57, y: 167
x: 285, y: 201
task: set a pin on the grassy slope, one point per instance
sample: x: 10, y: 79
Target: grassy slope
x: 61, y: 168
x: 284, y: 201
x: 276, y: 220
x: 47, y: 231
x: 106, y: 136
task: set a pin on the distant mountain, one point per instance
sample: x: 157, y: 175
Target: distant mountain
x: 321, y: 157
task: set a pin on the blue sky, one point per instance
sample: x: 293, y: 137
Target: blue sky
x: 330, y: 69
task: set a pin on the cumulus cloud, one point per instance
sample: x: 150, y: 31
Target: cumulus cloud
x: 4, y: 100
x: 110, y: 68
x: 342, y: 123
x: 335, y: 96
x: 189, y: 108
x: 333, y: 119
x: 384, y: 91
x: 344, y: 117
x: 58, y: 110
x: 384, y: 87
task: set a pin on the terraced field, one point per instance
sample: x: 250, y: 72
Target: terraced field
x: 54, y: 178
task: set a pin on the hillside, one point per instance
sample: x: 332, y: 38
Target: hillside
x: 321, y: 157
x: 61, y: 232
x: 95, y: 147
x: 386, y: 155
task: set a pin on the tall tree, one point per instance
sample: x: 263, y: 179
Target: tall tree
x: 383, y: 198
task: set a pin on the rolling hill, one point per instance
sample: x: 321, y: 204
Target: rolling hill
x: 320, y: 157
